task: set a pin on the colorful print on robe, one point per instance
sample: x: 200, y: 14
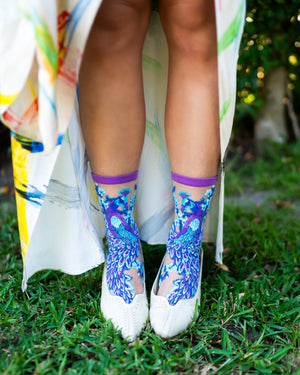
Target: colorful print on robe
x: 38, y: 101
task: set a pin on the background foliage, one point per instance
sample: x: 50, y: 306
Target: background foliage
x: 271, y: 39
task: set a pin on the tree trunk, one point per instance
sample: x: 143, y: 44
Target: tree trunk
x: 270, y: 123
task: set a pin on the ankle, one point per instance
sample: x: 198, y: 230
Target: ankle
x: 181, y: 266
x: 125, y: 267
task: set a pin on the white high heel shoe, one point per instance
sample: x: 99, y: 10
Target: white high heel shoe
x: 169, y: 320
x: 130, y: 318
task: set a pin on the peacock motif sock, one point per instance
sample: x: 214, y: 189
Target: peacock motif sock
x: 125, y: 266
x: 181, y: 266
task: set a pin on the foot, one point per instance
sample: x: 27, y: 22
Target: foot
x: 181, y: 265
x: 125, y: 266
x: 169, y: 320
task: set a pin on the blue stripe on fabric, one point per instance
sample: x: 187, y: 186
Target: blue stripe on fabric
x: 31, y: 194
x: 42, y: 88
x: 33, y: 146
x: 74, y: 19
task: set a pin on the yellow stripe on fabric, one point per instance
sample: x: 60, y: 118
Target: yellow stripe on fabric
x: 31, y: 89
x: 21, y: 167
x: 7, y: 99
x: 46, y: 44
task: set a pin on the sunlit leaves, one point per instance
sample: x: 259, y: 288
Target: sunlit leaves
x: 270, y: 40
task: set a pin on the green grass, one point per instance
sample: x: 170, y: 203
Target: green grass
x: 249, y: 316
x: 276, y: 169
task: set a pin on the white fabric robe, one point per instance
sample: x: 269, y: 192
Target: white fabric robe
x: 41, y: 47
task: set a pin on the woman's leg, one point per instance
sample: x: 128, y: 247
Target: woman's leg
x: 192, y: 117
x: 112, y: 108
x: 192, y: 131
x: 112, y: 112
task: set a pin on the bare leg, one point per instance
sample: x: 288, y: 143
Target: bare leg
x: 192, y: 119
x: 112, y: 113
x: 112, y: 108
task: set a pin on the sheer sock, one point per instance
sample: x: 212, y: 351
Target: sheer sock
x: 181, y: 266
x: 125, y: 266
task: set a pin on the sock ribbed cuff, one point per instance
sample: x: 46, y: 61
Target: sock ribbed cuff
x: 115, y: 180
x: 195, y: 182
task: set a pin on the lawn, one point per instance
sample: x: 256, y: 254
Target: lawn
x: 249, y: 319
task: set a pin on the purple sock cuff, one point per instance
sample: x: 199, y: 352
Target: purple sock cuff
x: 115, y: 180
x: 196, y: 182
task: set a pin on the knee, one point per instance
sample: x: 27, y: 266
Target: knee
x: 190, y: 27
x: 120, y: 25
